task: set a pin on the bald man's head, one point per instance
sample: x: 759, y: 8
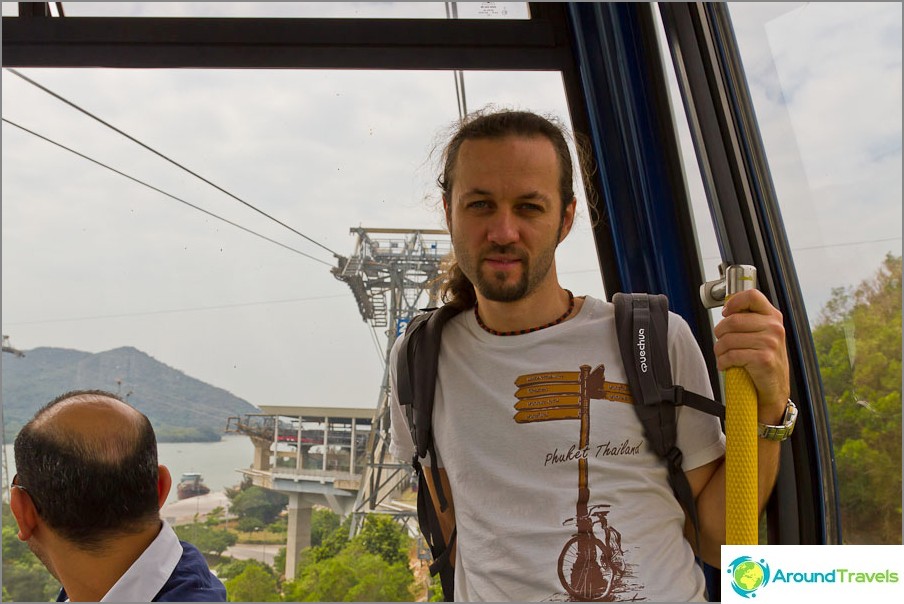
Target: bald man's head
x: 88, y: 461
x: 102, y: 427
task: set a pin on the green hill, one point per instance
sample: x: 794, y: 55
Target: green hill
x: 180, y: 407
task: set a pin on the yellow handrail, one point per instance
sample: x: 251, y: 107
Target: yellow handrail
x: 741, y: 480
x: 741, y: 506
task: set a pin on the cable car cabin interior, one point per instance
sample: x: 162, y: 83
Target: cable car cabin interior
x: 633, y: 75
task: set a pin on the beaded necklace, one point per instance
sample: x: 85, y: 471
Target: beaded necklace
x: 519, y: 332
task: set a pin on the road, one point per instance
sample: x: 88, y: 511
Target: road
x: 246, y: 551
x: 183, y: 512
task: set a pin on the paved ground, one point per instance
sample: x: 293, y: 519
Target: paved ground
x: 246, y: 551
x: 183, y: 512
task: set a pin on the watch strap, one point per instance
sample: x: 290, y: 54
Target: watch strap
x: 782, y: 431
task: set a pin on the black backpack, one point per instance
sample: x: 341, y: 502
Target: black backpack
x: 640, y: 319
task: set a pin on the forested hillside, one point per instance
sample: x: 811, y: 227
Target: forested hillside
x: 858, y: 342
x: 180, y: 407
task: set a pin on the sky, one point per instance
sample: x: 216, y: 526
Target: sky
x: 93, y: 261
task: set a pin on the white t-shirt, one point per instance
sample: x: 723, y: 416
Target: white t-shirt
x: 515, y: 471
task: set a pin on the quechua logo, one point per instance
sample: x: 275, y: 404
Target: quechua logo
x: 642, y: 349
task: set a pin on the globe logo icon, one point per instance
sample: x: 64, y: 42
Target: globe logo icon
x: 748, y: 575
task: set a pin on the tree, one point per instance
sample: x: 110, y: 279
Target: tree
x: 232, y: 568
x: 330, y: 546
x: 249, y: 524
x: 253, y: 584
x: 28, y: 582
x: 256, y: 502
x: 207, y: 539
x: 279, y: 562
x: 323, y: 522
x: 232, y: 492
x: 435, y: 592
x: 354, y: 575
x: 858, y: 343
x: 383, y: 536
x: 280, y: 525
x: 215, y: 516
x: 25, y: 579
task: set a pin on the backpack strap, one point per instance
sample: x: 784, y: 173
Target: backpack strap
x: 642, y: 324
x: 417, y: 366
x: 431, y: 529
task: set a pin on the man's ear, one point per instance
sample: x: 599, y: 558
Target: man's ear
x: 24, y: 511
x: 164, y: 483
x: 447, y: 211
x: 568, y: 219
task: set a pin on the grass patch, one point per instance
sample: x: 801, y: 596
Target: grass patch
x: 261, y: 537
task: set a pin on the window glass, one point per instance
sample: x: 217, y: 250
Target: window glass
x: 826, y: 84
x: 108, y: 253
x: 825, y: 79
x: 830, y: 75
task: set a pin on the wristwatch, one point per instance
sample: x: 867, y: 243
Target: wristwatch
x: 782, y: 431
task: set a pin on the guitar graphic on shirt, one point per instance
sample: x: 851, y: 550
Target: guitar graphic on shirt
x: 589, y: 567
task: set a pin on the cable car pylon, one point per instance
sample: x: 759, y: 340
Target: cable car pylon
x: 392, y: 274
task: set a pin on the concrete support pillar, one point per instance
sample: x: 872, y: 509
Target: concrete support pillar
x: 341, y: 505
x: 326, y: 442
x: 261, y: 454
x: 353, y: 450
x: 275, y: 440
x: 298, y: 458
x: 299, y: 536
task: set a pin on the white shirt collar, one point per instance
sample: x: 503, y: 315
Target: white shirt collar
x: 150, y: 571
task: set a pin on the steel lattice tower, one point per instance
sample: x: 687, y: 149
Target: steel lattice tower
x: 392, y: 274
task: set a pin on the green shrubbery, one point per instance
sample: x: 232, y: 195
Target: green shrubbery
x: 858, y: 343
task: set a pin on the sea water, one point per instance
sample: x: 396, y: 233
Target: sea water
x: 218, y: 462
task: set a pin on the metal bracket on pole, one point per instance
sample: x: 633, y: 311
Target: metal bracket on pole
x: 735, y: 278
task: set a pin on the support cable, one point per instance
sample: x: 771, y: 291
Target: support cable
x: 162, y: 192
x: 458, y: 74
x: 161, y: 155
x: 376, y: 340
x: 169, y: 311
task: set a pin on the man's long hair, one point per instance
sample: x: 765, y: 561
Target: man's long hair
x: 456, y: 289
x: 89, y: 491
